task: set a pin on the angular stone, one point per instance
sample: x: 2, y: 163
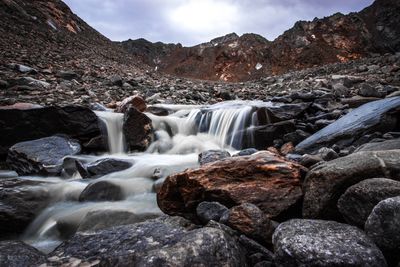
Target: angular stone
x: 207, y: 211
x: 166, y: 241
x: 212, y: 155
x: 325, y: 183
x: 135, y: 101
x: 264, y: 179
x: 324, y: 243
x: 102, y: 167
x: 358, y: 201
x: 379, y: 146
x: 42, y: 156
x: 137, y: 129
x: 102, y: 191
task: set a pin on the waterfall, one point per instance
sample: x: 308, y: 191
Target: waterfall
x: 114, y: 123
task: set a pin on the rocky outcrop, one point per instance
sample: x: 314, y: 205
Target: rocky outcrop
x: 79, y: 123
x: 358, y: 201
x: 42, y: 156
x: 17, y: 253
x: 264, y: 179
x: 166, y: 241
x: 137, y: 130
x: 101, y: 167
x: 324, y: 243
x: 326, y: 182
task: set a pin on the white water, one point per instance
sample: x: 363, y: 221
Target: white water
x: 180, y: 137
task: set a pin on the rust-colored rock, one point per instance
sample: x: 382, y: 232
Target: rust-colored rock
x: 264, y: 179
x: 135, y: 101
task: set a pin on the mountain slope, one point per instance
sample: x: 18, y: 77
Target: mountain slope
x: 338, y: 38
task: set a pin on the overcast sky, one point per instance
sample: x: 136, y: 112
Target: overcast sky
x: 192, y: 22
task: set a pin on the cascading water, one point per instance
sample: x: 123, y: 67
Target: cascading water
x: 180, y: 136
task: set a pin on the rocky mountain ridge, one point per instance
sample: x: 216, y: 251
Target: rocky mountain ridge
x: 338, y: 38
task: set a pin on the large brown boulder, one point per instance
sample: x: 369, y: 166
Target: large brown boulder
x: 325, y: 183
x: 264, y: 179
x: 137, y: 129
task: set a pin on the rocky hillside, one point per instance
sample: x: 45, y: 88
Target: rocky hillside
x: 338, y: 38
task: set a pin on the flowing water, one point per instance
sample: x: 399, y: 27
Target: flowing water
x: 179, y: 138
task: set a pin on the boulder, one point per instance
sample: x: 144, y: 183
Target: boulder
x: 381, y: 115
x: 42, y: 156
x: 20, y: 202
x: 67, y: 75
x: 264, y: 136
x: 358, y: 201
x: 383, y: 225
x: 133, y: 101
x: 207, y: 211
x: 326, y: 182
x: 249, y: 220
x: 245, y: 152
x: 379, y: 146
x: 264, y: 179
x: 79, y: 123
x: 137, y: 129
x: 323, y: 243
x: 102, y: 167
x: 212, y: 155
x: 166, y: 241
x: 17, y: 254
x: 102, y: 191
x: 103, y: 219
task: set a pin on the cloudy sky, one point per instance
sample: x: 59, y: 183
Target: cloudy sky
x: 192, y: 22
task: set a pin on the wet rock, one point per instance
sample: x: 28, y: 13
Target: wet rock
x: 379, y: 146
x: 264, y: 136
x: 323, y: 243
x: 102, y: 167
x: 207, y: 211
x: 77, y: 122
x: 135, y: 101
x: 263, y: 179
x: 383, y: 224
x: 67, y: 75
x: 137, y: 129
x: 158, y: 111
x: 246, y: 152
x: 102, y: 191
x: 296, y: 137
x: 103, y: 219
x: 310, y: 160
x: 254, y: 249
x: 375, y: 116
x: 325, y: 183
x: 17, y: 254
x: 249, y: 220
x: 286, y: 112
x: 212, y: 155
x: 367, y: 90
x: 42, y: 156
x: 166, y: 241
x: 20, y: 201
x: 358, y: 201
x: 327, y: 154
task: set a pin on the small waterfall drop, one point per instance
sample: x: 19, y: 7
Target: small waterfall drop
x: 114, y: 124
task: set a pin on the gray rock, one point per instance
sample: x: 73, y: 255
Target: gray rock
x: 358, y: 201
x: 102, y: 191
x: 325, y: 183
x: 370, y: 117
x: 378, y: 146
x: 246, y: 152
x: 368, y: 90
x: 29, y: 81
x: 212, y: 155
x: 20, y: 202
x: 327, y: 154
x: 207, y: 211
x: 41, y: 156
x: 383, y: 224
x: 67, y: 75
x: 102, y: 219
x: 17, y: 254
x: 102, y: 167
x: 166, y: 241
x: 323, y: 243
x: 116, y: 80
x: 23, y: 68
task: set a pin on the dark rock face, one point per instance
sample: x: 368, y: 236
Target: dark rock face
x: 167, y: 241
x: 212, y: 155
x: 358, y: 201
x: 137, y: 130
x: 102, y: 167
x: 324, y: 243
x: 103, y: 219
x: 77, y: 122
x: 326, y: 182
x: 20, y: 202
x: 207, y: 211
x: 381, y: 115
x: 263, y: 179
x: 17, y: 254
x: 249, y: 220
x: 42, y: 156
x: 102, y: 191
x: 379, y: 146
x: 383, y: 224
